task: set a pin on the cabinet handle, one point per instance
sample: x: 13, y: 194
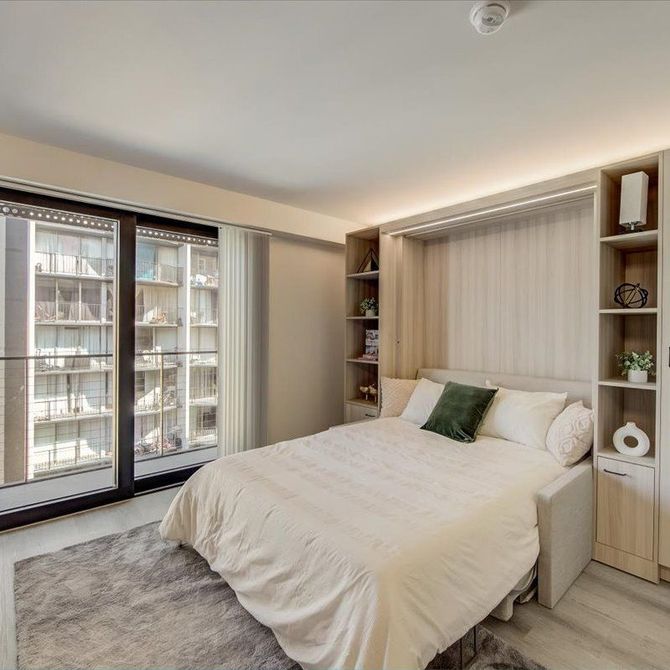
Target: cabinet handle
x: 370, y: 416
x: 618, y: 474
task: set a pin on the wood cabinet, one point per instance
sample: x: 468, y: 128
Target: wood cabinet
x: 355, y: 412
x: 625, y: 507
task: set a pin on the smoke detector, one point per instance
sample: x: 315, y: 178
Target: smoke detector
x: 488, y: 15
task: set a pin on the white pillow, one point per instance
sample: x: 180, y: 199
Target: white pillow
x: 522, y: 416
x: 422, y: 402
x: 395, y: 395
x: 570, y: 435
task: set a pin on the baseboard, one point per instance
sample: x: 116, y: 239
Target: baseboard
x: 664, y: 573
x: 640, y: 567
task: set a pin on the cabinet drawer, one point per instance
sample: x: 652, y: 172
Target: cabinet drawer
x: 625, y: 507
x: 358, y: 413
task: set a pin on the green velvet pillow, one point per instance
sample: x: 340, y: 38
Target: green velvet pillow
x: 460, y: 411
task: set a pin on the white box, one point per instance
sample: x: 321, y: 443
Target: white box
x: 634, y: 189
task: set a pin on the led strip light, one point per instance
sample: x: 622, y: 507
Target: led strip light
x: 440, y: 224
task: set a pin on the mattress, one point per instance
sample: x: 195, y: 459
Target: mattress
x: 374, y: 545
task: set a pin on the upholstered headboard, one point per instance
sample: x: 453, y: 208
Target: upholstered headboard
x: 575, y: 390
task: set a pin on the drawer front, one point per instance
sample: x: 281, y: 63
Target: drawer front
x: 358, y: 413
x: 625, y: 507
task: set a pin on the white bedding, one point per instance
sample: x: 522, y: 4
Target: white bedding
x: 374, y: 545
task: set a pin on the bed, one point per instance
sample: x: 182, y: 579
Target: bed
x: 374, y: 545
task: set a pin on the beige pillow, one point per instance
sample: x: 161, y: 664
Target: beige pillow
x: 522, y: 416
x: 570, y: 436
x: 395, y: 395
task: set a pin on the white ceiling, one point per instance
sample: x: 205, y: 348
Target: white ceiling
x: 364, y: 110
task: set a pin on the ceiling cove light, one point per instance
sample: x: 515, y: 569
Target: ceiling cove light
x: 452, y: 221
x: 488, y: 15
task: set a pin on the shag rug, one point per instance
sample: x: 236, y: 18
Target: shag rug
x: 132, y: 600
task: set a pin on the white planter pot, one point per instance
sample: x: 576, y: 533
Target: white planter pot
x: 638, y: 376
x: 640, y: 437
x: 370, y: 312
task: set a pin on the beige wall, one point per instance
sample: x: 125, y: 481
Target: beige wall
x: 305, y: 372
x: 52, y: 166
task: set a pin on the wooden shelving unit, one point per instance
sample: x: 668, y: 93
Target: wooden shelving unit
x: 359, y: 285
x: 626, y: 496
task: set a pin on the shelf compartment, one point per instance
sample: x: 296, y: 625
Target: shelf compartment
x: 621, y: 382
x: 634, y: 267
x: 359, y: 374
x: 634, y: 332
x: 644, y: 240
x: 357, y: 246
x: 610, y: 194
x: 357, y: 291
x: 616, y: 407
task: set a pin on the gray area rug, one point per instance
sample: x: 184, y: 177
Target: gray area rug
x: 132, y: 600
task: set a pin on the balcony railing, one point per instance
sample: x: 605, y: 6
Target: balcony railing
x: 61, y: 458
x: 70, y: 312
x: 158, y: 316
x: 204, y: 391
x: 72, y: 407
x: 63, y: 361
x: 47, y: 262
x: 202, y: 437
x: 204, y: 317
x: 205, y: 280
x: 158, y: 272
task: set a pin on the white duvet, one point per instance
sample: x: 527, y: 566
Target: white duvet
x: 373, y: 546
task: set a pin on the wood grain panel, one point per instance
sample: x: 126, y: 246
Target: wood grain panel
x: 515, y: 298
x: 626, y: 507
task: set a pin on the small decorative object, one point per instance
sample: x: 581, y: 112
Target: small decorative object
x: 631, y: 296
x: 371, y: 345
x: 364, y: 390
x: 372, y: 390
x: 630, y: 430
x: 369, y: 307
x: 370, y: 262
x: 633, y: 209
x: 636, y: 366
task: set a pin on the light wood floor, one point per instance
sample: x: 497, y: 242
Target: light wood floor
x: 607, y: 621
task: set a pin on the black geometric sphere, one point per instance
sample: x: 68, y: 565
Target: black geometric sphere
x: 631, y: 295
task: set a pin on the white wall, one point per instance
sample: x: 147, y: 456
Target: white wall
x: 23, y: 159
x: 306, y: 338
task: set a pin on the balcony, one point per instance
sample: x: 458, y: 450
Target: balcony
x: 202, y: 437
x: 58, y: 312
x: 204, y: 317
x: 72, y: 407
x: 151, y: 360
x: 147, y: 272
x: 204, y: 394
x: 64, y: 265
x: 70, y: 361
x: 59, y: 458
x: 205, y: 280
x: 158, y: 316
x: 154, y: 444
x: 155, y: 402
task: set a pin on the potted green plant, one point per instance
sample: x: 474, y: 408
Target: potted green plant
x: 635, y: 366
x: 369, y: 307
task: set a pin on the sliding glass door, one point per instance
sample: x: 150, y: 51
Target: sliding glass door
x: 59, y: 365
x: 176, y: 334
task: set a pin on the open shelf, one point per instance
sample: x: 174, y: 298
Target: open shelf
x: 373, y: 274
x: 363, y: 318
x: 645, y: 239
x: 617, y: 406
x: 364, y: 361
x: 362, y: 402
x: 621, y: 382
x: 622, y: 311
x: 611, y: 452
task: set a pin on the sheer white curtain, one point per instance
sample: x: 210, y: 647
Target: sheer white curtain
x: 243, y: 305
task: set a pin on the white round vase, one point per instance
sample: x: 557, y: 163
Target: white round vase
x: 638, y: 376
x: 370, y: 312
x: 631, y: 430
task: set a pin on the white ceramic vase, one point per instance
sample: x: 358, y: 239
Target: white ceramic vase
x: 631, y: 430
x: 370, y: 312
x: 638, y: 376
